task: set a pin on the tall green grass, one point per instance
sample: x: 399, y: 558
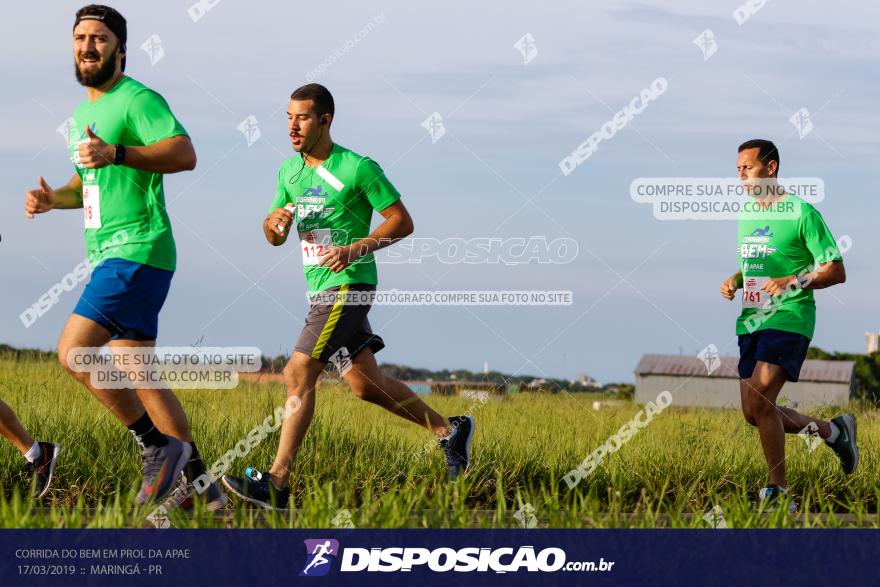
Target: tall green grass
x: 385, y: 472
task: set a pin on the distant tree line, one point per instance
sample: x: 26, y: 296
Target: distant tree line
x: 866, y: 378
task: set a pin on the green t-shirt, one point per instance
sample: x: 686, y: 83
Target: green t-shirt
x: 124, y: 208
x: 789, y: 239
x: 334, y: 205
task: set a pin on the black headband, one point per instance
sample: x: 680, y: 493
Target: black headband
x: 113, y: 21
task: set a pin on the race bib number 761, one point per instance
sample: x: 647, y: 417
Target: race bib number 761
x: 753, y: 296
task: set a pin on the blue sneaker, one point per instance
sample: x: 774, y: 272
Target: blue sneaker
x: 257, y: 488
x: 457, y: 445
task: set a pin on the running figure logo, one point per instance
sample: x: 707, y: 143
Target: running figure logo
x: 762, y: 232
x: 321, y: 552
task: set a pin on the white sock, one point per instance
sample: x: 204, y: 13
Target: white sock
x: 834, y: 432
x: 33, y: 453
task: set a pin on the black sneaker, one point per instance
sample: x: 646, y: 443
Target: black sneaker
x: 41, y: 470
x: 257, y: 488
x: 845, y: 445
x: 774, y: 496
x: 457, y: 445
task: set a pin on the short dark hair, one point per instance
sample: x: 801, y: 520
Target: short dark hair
x: 767, y: 151
x: 317, y: 93
x: 111, y: 18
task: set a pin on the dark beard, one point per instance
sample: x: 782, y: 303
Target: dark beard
x: 99, y: 77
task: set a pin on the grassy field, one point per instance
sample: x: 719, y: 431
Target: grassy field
x: 384, y: 472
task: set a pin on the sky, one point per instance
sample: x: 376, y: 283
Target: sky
x: 638, y: 284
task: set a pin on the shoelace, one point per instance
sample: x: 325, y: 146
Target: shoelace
x: 181, y: 492
x: 152, y: 462
x: 37, y: 466
x: 452, y: 457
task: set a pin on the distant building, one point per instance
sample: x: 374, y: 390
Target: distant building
x: 587, y: 381
x: 714, y: 383
x: 873, y: 342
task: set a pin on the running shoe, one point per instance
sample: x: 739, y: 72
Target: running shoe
x: 774, y: 496
x: 457, y: 445
x: 42, y: 469
x: 845, y: 444
x: 162, y: 466
x: 184, y: 495
x: 257, y: 488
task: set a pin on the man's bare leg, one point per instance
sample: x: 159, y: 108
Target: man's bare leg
x: 12, y: 430
x: 795, y: 422
x: 758, y: 394
x: 300, y: 377
x: 82, y: 332
x: 157, y: 410
x: 161, y: 404
x: 369, y: 384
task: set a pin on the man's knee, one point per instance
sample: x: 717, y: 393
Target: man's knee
x: 68, y: 365
x: 756, y: 404
x: 297, y: 377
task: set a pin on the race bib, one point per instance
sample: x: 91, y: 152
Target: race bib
x: 313, y: 243
x: 91, y: 206
x: 753, y: 296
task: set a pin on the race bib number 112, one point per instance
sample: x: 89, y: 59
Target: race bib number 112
x: 313, y: 243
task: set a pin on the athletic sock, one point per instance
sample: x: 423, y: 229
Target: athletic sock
x: 146, y: 433
x: 33, y: 453
x: 834, y: 432
x: 194, y: 468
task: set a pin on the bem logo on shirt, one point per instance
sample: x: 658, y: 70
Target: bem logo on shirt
x: 762, y: 232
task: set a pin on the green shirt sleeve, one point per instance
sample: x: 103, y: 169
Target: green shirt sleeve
x: 150, y: 119
x: 818, y: 238
x: 280, y: 192
x: 375, y: 187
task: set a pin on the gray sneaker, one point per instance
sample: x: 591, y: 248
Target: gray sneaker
x: 162, y: 467
x: 184, y: 493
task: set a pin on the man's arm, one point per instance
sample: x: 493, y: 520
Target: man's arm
x: 398, y: 225
x: 166, y: 156
x: 825, y: 275
x: 277, y: 225
x: 44, y: 198
x: 731, y: 284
